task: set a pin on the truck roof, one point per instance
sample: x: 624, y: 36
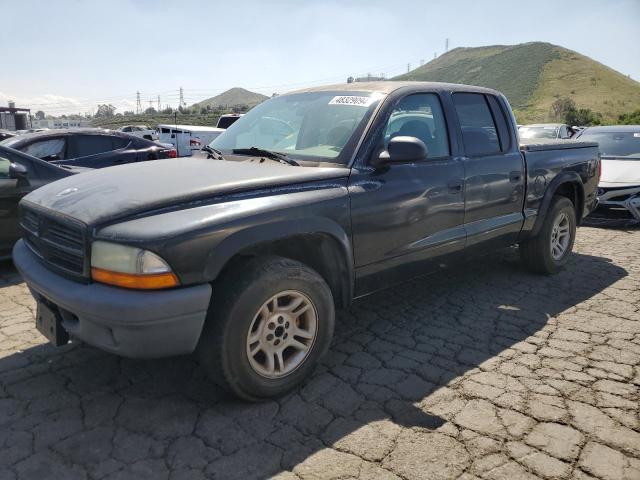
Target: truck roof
x: 392, y: 85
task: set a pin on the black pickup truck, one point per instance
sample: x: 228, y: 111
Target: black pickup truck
x: 314, y: 198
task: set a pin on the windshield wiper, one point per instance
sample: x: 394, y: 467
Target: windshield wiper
x: 213, y: 153
x: 261, y: 152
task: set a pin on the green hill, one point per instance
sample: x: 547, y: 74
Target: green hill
x: 533, y: 76
x: 233, y: 97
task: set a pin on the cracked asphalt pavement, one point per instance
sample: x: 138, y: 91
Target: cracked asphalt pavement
x: 484, y: 371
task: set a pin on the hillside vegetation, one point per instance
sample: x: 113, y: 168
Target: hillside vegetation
x: 231, y: 98
x: 152, y: 120
x: 533, y: 76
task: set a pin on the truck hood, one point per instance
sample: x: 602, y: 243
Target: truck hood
x: 104, y: 195
x: 619, y: 173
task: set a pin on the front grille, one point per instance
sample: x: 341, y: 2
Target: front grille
x: 58, y: 241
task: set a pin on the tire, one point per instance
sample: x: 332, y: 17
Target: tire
x: 238, y: 309
x: 537, y: 254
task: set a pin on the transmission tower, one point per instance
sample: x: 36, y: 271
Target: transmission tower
x: 159, y: 103
x: 182, y: 104
x: 138, y: 103
x: 408, y: 67
x: 446, y: 45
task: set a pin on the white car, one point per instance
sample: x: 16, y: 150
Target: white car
x: 619, y: 187
x: 188, y: 139
x: 141, y: 131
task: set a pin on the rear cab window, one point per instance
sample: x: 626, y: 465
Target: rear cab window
x: 479, y: 131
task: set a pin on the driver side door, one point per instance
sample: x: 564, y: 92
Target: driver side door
x: 406, y: 217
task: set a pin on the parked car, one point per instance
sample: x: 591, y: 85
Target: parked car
x: 4, y: 134
x: 545, y: 130
x: 619, y: 188
x: 19, y: 175
x: 188, y: 139
x: 225, y: 121
x: 311, y: 203
x: 141, y: 131
x: 91, y: 147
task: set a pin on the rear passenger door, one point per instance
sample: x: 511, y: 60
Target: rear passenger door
x: 97, y: 151
x: 494, y: 172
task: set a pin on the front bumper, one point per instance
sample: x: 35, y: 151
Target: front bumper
x: 617, y: 201
x: 130, y: 323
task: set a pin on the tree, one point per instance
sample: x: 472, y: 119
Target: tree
x: 561, y: 106
x: 203, y: 110
x: 105, y: 110
x: 565, y: 110
x: 128, y: 113
x: 632, y: 118
x: 167, y: 111
x: 583, y: 116
x: 40, y: 115
x: 150, y: 111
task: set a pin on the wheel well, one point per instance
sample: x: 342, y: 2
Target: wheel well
x: 319, y: 251
x: 574, y: 194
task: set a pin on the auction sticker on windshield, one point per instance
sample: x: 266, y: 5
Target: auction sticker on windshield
x: 352, y: 100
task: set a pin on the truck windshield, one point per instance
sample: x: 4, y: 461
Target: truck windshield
x: 616, y: 144
x: 538, y: 132
x: 315, y: 126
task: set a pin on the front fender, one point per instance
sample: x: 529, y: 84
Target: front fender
x: 277, y: 230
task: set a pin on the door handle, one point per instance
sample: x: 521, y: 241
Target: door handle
x: 514, y: 176
x: 455, y: 186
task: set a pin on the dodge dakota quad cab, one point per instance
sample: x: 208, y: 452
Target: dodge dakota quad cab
x: 315, y: 198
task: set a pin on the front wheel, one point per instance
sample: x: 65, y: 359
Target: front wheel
x: 548, y: 252
x: 271, y: 320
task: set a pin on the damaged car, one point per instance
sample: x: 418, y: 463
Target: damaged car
x: 619, y: 187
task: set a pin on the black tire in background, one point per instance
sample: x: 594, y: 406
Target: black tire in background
x: 537, y: 253
x: 238, y: 297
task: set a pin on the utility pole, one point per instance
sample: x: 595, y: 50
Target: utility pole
x: 138, y: 103
x: 181, y: 104
x: 446, y: 45
x: 408, y: 67
x: 159, y: 103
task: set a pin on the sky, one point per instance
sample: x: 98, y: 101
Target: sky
x: 66, y: 56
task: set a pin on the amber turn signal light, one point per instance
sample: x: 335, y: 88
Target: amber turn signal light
x: 147, y: 281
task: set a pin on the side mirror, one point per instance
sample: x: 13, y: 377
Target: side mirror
x: 402, y: 149
x: 50, y: 158
x: 17, y: 171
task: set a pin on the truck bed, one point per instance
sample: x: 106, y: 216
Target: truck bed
x: 537, y: 145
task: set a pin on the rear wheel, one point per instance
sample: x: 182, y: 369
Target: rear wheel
x: 549, y: 251
x: 270, y: 321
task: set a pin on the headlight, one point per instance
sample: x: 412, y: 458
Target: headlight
x: 129, y: 267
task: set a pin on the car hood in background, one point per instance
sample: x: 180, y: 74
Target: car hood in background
x: 619, y: 173
x: 104, y: 195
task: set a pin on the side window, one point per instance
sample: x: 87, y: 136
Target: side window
x: 5, y: 164
x: 126, y: 129
x: 501, y: 122
x: 479, y: 132
x: 85, y: 145
x: 51, y: 149
x: 119, y: 142
x: 420, y: 115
